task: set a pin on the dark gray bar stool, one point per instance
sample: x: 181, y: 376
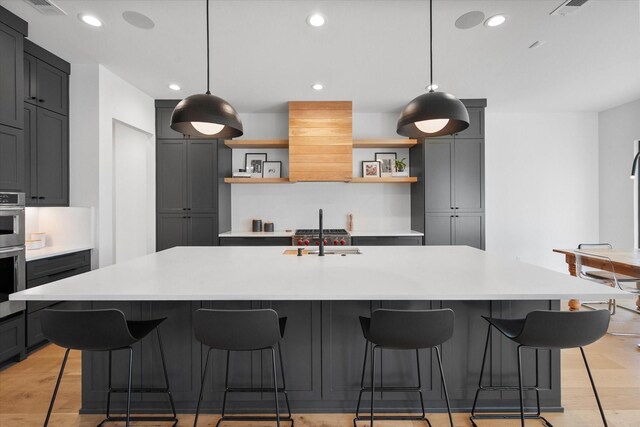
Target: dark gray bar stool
x: 543, y: 329
x: 404, y: 330
x: 104, y: 330
x: 242, y: 330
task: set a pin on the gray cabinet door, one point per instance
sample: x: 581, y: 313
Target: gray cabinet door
x: 52, y: 158
x: 12, y: 337
x: 255, y: 241
x: 30, y: 150
x: 29, y: 72
x: 476, y: 124
x: 12, y: 161
x: 171, y: 172
x: 52, y: 86
x: 203, y: 230
x: 438, y: 229
x: 171, y: 231
x: 387, y: 241
x: 437, y: 175
x: 11, y: 75
x: 468, y: 171
x: 469, y: 230
x: 163, y: 124
x: 201, y: 176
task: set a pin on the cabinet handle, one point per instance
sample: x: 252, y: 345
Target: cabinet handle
x: 34, y: 197
x: 41, y: 197
x: 41, y: 100
x: 184, y: 217
x: 33, y: 98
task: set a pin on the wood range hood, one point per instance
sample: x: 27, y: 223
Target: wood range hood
x: 320, y: 141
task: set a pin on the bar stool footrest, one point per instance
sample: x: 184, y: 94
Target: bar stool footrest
x: 139, y: 390
x: 392, y: 389
x: 508, y: 416
x: 392, y: 418
x: 240, y: 418
x: 253, y: 390
x: 121, y: 419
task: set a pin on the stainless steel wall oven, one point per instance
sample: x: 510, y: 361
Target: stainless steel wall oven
x: 12, y: 251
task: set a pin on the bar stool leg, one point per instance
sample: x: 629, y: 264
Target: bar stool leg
x: 444, y: 386
x: 204, y: 377
x: 364, y: 367
x: 284, y: 383
x: 424, y: 414
x: 593, y: 385
x: 484, y: 360
x: 55, y: 390
x: 520, y: 385
x: 373, y: 378
x: 226, y: 388
x: 166, y: 375
x: 109, y: 388
x: 275, y: 385
x: 128, y: 419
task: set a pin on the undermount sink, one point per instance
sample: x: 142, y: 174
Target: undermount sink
x: 337, y: 251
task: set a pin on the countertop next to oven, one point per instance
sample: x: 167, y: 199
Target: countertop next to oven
x: 51, y: 251
x: 284, y: 233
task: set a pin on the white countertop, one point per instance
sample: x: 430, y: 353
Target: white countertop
x: 290, y: 233
x: 264, y: 273
x: 51, y: 251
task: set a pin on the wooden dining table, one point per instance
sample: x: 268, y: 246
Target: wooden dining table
x: 624, y: 261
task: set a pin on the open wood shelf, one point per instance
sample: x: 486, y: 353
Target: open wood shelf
x: 256, y: 180
x: 384, y: 143
x: 391, y: 179
x: 257, y: 143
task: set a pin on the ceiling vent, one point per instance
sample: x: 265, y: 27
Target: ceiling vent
x: 46, y: 7
x: 568, y: 7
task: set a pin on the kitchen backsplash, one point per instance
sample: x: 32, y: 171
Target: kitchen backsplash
x: 63, y: 226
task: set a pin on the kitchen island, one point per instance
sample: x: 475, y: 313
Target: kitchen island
x: 323, y: 346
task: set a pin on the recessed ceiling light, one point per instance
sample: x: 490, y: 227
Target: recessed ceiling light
x: 316, y: 20
x: 90, y: 20
x: 495, y: 20
x: 317, y: 86
x: 469, y: 20
x: 174, y: 86
x: 433, y: 87
x: 138, y: 20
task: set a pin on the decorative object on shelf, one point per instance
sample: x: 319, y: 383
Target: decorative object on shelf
x: 387, y: 161
x: 40, y: 236
x: 400, y: 168
x: 350, y: 222
x: 206, y: 115
x: 370, y: 169
x: 271, y: 169
x: 242, y: 173
x: 253, y: 163
x: 433, y: 113
x: 268, y: 227
x: 256, y: 225
x: 32, y: 244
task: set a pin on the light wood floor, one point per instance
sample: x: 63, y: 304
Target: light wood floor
x: 25, y: 390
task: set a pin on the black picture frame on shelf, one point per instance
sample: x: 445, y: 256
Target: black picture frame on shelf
x: 387, y: 162
x: 370, y: 169
x: 272, y: 169
x: 253, y: 163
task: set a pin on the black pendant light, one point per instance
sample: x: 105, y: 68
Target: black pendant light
x: 433, y: 113
x: 206, y: 115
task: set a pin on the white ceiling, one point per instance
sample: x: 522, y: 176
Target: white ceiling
x: 372, y: 52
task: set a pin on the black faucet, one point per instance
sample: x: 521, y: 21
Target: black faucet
x: 321, y: 230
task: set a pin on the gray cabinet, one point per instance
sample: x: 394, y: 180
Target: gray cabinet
x: 48, y: 148
x: 46, y: 79
x: 447, y: 202
x: 11, y: 86
x: 171, y: 176
x: 12, y: 162
x: 163, y: 124
x: 386, y: 241
x: 12, y: 338
x: 255, y: 241
x: 29, y: 68
x: 186, y: 230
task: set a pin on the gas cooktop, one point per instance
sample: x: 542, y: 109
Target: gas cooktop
x: 311, y: 236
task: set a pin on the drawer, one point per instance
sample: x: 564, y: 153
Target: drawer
x: 12, y: 337
x: 57, y: 265
x: 255, y: 241
x: 38, y: 305
x: 387, y: 241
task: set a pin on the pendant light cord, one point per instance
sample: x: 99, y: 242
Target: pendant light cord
x: 431, y: 44
x: 208, y: 78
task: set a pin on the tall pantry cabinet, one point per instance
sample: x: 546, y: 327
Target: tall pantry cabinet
x: 447, y: 202
x: 193, y: 204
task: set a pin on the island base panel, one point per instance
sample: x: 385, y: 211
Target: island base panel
x: 323, y: 351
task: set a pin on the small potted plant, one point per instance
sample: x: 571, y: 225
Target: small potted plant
x: 400, y: 168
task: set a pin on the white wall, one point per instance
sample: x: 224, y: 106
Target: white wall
x: 375, y: 206
x: 134, y: 192
x: 98, y: 98
x: 618, y: 128
x: 541, y: 184
x: 63, y: 226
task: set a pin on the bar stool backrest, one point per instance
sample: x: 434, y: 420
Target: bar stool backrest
x: 563, y: 329
x: 239, y: 330
x: 97, y: 330
x: 411, y: 329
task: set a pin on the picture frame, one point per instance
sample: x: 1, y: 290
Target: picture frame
x: 387, y: 163
x: 253, y: 163
x: 371, y: 169
x: 272, y: 169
